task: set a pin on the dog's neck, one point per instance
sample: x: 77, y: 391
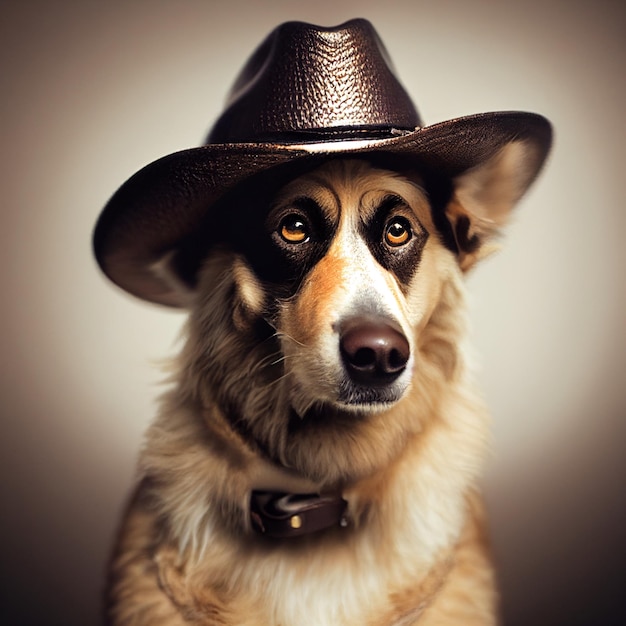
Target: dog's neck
x: 271, y: 477
x: 284, y: 504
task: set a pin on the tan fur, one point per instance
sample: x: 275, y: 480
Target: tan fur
x: 415, y: 551
x: 309, y: 313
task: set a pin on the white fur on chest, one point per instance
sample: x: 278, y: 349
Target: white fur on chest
x: 346, y: 581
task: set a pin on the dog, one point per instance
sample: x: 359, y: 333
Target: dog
x: 316, y: 458
x: 324, y: 355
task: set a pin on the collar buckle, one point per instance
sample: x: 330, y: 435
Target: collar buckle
x: 283, y: 515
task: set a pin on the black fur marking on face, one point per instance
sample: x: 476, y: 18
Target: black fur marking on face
x: 283, y: 264
x: 254, y: 231
x: 237, y: 222
x: 403, y: 260
x: 301, y: 256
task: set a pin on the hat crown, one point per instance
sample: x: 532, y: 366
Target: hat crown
x: 307, y: 81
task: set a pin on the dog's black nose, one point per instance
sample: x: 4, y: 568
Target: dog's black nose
x: 373, y: 351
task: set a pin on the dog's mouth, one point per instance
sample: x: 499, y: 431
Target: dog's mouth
x: 323, y: 414
x: 366, y: 399
x: 346, y: 400
x: 353, y: 403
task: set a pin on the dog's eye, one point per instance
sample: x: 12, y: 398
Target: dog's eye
x: 397, y: 232
x: 293, y: 229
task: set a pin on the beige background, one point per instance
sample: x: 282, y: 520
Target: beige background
x: 92, y: 91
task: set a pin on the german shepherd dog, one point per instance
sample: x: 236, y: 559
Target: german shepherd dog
x: 315, y: 461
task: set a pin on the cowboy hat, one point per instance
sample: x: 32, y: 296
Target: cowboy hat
x: 306, y: 94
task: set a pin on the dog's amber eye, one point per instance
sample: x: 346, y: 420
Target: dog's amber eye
x: 397, y: 232
x: 293, y: 229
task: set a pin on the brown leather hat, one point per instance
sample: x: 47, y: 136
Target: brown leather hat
x: 306, y: 94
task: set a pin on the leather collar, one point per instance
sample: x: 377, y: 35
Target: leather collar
x: 283, y: 515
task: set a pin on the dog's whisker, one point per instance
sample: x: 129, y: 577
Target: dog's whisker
x: 280, y: 359
x: 284, y: 335
x: 270, y: 360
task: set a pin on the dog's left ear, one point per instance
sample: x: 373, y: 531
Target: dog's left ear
x: 484, y: 196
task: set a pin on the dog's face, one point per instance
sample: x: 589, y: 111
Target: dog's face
x: 356, y: 236
x: 325, y: 321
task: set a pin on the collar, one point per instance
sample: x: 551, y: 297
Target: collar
x: 285, y: 515
x: 284, y: 504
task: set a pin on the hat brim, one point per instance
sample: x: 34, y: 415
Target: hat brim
x: 162, y: 204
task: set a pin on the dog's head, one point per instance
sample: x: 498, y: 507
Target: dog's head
x: 326, y: 318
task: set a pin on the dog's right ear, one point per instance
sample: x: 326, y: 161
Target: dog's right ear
x: 483, y: 197
x: 180, y: 292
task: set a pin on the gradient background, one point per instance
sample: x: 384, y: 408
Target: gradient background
x: 92, y: 91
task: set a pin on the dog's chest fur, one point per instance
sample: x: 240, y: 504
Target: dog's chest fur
x: 265, y: 397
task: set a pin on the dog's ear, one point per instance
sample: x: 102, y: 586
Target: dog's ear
x: 180, y: 292
x: 484, y: 196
